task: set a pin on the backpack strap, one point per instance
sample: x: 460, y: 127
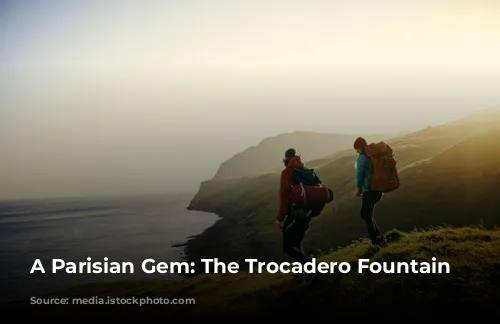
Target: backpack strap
x: 303, y: 194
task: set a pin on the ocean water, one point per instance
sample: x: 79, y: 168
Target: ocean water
x: 119, y: 228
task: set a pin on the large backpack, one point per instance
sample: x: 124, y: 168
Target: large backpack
x: 384, y: 167
x: 308, y: 191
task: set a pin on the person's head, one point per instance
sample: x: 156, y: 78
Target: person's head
x: 289, y: 154
x: 360, y: 144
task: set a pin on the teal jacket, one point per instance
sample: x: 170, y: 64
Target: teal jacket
x: 363, y: 173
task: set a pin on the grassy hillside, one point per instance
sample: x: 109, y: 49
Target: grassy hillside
x: 267, y: 154
x: 472, y: 288
x: 448, y: 175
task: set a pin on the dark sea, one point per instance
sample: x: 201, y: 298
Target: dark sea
x: 119, y: 228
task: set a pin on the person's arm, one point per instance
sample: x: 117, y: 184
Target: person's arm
x: 360, y: 172
x: 285, y: 182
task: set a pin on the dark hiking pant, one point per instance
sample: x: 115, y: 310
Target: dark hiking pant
x: 294, y: 229
x: 369, y: 201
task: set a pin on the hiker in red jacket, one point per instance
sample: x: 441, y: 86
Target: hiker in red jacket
x: 293, y: 223
x: 291, y: 161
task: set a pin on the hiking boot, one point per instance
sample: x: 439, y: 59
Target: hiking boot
x: 383, y: 243
x: 374, y: 248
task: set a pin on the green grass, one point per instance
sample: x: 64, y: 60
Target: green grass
x: 472, y: 285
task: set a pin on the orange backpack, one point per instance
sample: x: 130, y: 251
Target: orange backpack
x: 385, y: 174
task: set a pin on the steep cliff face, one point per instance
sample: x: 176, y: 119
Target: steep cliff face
x: 266, y: 156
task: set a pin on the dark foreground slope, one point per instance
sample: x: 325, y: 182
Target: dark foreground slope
x: 471, y: 290
x: 449, y: 174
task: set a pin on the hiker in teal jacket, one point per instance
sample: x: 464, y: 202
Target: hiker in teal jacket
x: 369, y: 198
x: 363, y: 172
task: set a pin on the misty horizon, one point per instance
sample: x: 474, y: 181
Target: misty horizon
x: 130, y: 97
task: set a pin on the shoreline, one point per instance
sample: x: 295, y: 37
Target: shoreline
x: 25, y: 285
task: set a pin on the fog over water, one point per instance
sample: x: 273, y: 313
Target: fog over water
x: 119, y: 97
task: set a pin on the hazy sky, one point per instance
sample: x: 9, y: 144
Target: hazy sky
x: 122, y: 96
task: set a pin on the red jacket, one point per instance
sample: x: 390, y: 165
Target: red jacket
x: 285, y: 185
